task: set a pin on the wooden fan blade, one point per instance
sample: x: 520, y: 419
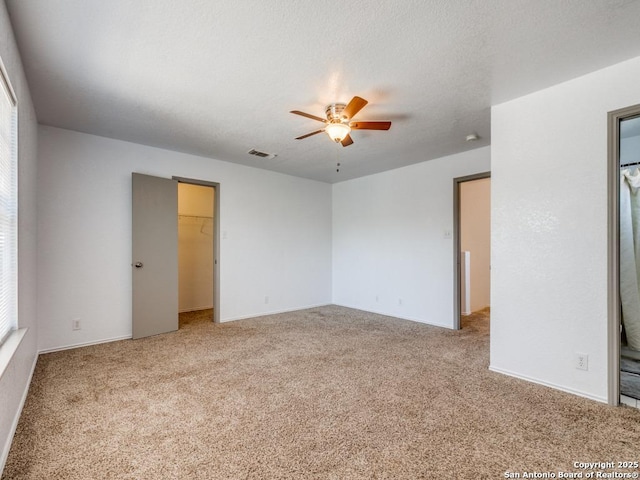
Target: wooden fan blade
x: 346, y: 141
x: 370, y: 125
x: 309, y: 134
x: 308, y: 115
x: 355, y: 105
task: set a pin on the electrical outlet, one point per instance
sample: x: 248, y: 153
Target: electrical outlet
x: 399, y: 301
x: 582, y: 361
x: 377, y: 298
x: 75, y: 324
x: 266, y: 299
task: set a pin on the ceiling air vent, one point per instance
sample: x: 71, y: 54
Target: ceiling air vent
x: 258, y: 153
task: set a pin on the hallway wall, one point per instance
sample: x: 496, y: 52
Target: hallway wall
x: 475, y: 237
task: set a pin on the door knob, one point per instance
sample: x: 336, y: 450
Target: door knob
x: 139, y: 265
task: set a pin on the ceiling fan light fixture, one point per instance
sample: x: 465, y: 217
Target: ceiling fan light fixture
x: 337, y: 131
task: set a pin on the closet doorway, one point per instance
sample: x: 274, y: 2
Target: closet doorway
x: 472, y: 246
x: 198, y: 252
x: 624, y: 142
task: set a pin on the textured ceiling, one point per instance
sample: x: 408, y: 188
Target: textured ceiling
x: 218, y: 78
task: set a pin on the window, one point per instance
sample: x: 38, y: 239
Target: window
x: 8, y: 208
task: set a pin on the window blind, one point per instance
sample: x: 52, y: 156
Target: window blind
x: 8, y: 209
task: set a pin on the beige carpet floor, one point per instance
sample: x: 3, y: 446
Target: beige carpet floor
x: 326, y: 393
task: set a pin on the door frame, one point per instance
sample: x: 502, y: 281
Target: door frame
x: 216, y: 239
x: 613, y: 258
x: 456, y: 241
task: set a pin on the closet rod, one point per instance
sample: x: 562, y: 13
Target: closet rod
x: 196, y: 216
x: 629, y: 164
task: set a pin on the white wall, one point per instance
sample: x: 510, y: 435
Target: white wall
x: 475, y: 237
x: 276, y: 235
x: 195, y: 247
x: 389, y: 242
x: 549, y: 229
x: 14, y: 382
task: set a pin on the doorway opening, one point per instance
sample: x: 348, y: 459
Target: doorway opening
x: 624, y: 256
x: 198, y: 251
x: 472, y: 248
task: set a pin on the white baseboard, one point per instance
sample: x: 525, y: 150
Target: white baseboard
x: 85, y: 344
x: 274, y: 312
x: 395, y: 315
x: 14, y: 425
x: 549, y: 384
x: 127, y: 337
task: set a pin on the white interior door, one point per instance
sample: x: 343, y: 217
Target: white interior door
x: 155, y: 255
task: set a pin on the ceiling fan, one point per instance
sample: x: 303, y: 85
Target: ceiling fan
x: 339, y: 123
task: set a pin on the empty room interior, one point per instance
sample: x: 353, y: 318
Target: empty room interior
x: 319, y: 239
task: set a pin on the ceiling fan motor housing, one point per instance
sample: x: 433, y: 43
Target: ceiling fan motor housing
x: 334, y: 113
